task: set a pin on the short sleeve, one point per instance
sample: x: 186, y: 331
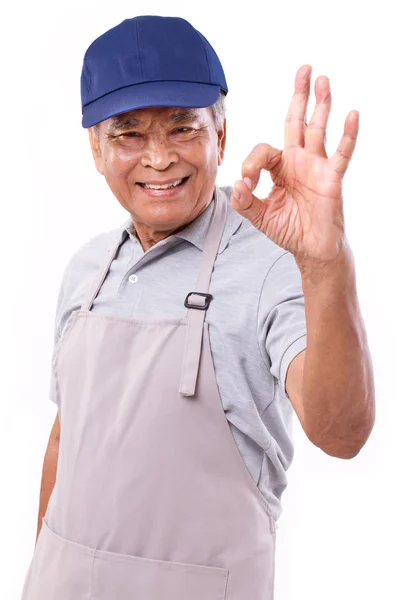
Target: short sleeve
x: 281, y: 316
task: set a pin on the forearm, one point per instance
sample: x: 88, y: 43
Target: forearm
x: 338, y: 386
x: 48, y: 479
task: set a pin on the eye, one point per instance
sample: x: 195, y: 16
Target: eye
x: 131, y: 134
x: 181, y: 130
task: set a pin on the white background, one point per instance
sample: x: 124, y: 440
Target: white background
x: 338, y: 535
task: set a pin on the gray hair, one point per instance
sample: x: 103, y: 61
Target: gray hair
x: 218, y: 112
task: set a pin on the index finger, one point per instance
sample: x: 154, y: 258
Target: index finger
x: 263, y: 156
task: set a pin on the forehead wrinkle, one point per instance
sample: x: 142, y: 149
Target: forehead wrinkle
x: 185, y: 116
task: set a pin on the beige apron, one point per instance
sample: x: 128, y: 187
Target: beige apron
x: 152, y: 499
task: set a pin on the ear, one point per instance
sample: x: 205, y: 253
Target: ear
x: 96, y: 149
x: 221, y: 143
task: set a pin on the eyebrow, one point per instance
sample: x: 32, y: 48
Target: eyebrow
x: 119, y: 122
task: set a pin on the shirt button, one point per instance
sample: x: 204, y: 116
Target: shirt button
x: 133, y: 278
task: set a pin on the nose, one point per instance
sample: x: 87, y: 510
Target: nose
x: 158, y: 154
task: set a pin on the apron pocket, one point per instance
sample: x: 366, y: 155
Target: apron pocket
x: 123, y: 577
x: 60, y: 569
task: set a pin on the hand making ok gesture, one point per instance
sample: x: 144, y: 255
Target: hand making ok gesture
x: 304, y: 211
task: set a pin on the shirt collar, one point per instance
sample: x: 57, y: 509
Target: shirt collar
x: 196, y: 231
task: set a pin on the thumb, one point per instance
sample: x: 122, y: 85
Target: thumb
x: 246, y: 204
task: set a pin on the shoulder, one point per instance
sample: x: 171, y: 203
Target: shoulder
x: 88, y: 257
x: 92, y: 253
x: 79, y: 271
x: 268, y: 272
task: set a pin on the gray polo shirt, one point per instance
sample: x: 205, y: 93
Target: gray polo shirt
x: 256, y: 322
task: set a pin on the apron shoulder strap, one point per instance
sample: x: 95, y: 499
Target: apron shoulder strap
x: 94, y: 288
x: 198, y: 301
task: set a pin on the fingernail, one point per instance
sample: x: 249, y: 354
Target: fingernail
x: 236, y: 194
x: 249, y: 183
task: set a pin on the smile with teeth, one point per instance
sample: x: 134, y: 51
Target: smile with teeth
x: 166, y: 186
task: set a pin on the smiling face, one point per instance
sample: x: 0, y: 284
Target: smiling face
x: 145, y: 148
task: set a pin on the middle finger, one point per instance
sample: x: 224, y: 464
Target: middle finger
x: 295, y: 119
x: 316, y: 128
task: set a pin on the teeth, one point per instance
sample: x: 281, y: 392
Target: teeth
x: 162, y: 187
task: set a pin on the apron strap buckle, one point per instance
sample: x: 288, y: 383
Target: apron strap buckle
x: 203, y: 300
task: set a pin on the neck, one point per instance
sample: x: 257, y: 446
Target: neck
x: 149, y: 237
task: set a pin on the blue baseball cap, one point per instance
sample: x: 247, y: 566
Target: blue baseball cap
x: 149, y: 61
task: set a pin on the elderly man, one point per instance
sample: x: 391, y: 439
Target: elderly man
x: 181, y: 336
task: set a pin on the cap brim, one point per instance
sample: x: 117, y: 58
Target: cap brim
x: 144, y: 95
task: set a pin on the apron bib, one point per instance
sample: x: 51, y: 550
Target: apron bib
x: 152, y: 499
